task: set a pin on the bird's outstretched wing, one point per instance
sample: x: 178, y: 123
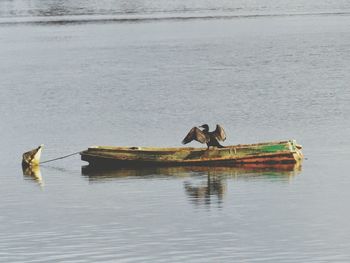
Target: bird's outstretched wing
x: 195, y: 134
x: 219, y: 133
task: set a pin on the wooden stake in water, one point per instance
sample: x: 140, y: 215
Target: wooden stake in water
x: 32, y: 158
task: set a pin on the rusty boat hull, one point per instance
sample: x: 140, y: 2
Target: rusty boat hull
x: 268, y: 153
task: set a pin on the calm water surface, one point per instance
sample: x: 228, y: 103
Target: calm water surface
x: 81, y: 73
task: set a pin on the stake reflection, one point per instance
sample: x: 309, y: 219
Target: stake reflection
x: 33, y: 173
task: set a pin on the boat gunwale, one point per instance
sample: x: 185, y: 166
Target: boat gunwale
x: 199, y: 160
x: 177, y: 149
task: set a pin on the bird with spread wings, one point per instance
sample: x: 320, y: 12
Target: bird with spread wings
x: 205, y: 136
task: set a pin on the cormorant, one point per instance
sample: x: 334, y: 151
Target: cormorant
x: 205, y: 136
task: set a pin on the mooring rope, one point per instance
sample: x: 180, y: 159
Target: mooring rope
x: 60, y: 157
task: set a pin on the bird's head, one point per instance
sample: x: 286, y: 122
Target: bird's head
x: 205, y: 127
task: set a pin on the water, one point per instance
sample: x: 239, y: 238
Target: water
x: 75, y: 74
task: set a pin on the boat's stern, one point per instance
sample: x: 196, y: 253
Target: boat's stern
x: 296, y: 149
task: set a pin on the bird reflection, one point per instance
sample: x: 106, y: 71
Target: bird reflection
x: 215, y: 186
x: 33, y: 173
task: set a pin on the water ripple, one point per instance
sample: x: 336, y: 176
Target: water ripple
x: 84, y: 19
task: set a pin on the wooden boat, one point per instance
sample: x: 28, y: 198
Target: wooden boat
x: 269, y: 153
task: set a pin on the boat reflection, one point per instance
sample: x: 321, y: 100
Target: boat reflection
x: 33, y: 173
x: 281, y: 171
x: 202, y: 184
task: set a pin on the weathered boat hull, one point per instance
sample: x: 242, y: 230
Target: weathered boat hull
x: 269, y: 153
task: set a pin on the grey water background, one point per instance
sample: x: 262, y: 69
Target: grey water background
x: 81, y: 73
